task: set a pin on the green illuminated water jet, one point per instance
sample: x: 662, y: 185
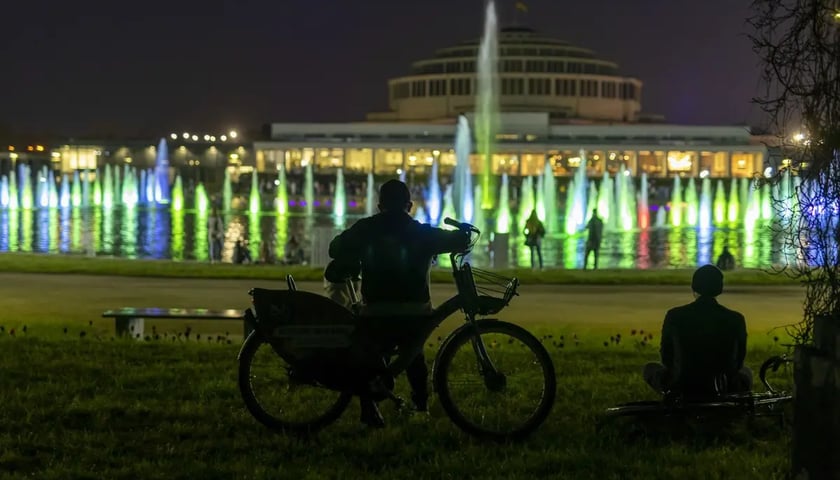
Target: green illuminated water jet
x: 254, y: 204
x: 487, y: 104
x: 691, y: 204
x: 282, y: 195
x: 734, y: 210
x: 526, y: 201
x: 178, y: 194
x: 720, y: 204
x: 676, y: 203
x: 503, y: 216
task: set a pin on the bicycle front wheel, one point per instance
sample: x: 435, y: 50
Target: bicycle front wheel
x: 508, y: 401
x: 278, y: 398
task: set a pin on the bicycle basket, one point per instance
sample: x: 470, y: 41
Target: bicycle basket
x: 494, y: 291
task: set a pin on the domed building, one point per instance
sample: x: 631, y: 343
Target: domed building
x: 559, y: 104
x: 536, y: 74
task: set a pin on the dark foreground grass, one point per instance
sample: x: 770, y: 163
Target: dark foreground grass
x: 100, y: 408
x: 41, y: 263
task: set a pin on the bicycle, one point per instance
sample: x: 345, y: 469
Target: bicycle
x: 329, y: 354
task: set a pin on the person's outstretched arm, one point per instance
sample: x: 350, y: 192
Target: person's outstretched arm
x: 347, y: 244
x: 446, y: 241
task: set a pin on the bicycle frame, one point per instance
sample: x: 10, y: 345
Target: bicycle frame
x: 465, y: 299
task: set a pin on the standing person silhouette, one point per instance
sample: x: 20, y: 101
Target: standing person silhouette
x: 395, y: 253
x: 726, y: 261
x: 593, y: 241
x: 534, y: 232
x: 215, y: 235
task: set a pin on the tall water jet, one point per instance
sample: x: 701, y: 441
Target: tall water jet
x: 117, y: 186
x: 25, y: 188
x: 76, y: 192
x: 282, y: 195
x: 487, y: 102
x: 4, y: 192
x: 719, y: 206
x: 64, y: 197
x: 676, y: 203
x: 254, y: 201
x: 753, y: 211
x: 593, y: 196
x: 53, y: 191
x: 704, y: 219
x: 448, y: 203
x: 540, y: 199
x: 162, y: 192
x: 733, y: 213
x: 227, y: 192
x: 503, y: 210
x: 605, y: 203
x: 526, y: 201
x: 340, y: 203
x: 642, y: 209
x: 433, y: 197
x: 309, y: 190
x: 625, y: 202
x: 128, y: 192
x: 550, y: 199
x: 150, y: 187
x: 14, y: 199
x: 744, y: 196
x: 202, y: 203
x: 478, y: 215
x: 43, y: 189
x: 462, y: 190
x: 691, y: 204
x: 97, y: 189
x: 141, y: 188
x: 370, y: 198
x: 766, y: 203
x: 108, y: 188
x: 178, y: 194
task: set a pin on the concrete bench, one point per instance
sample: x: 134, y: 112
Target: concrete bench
x: 129, y: 321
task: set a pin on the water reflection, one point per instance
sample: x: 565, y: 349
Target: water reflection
x: 183, y: 235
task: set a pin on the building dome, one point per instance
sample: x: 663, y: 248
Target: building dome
x: 536, y: 74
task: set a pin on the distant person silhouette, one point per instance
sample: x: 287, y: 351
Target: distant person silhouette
x: 534, y: 232
x: 293, y: 252
x: 726, y: 261
x: 702, y: 341
x: 395, y: 254
x: 216, y: 235
x: 593, y: 240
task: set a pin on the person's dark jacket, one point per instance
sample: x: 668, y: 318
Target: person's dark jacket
x: 395, y: 252
x: 701, y: 340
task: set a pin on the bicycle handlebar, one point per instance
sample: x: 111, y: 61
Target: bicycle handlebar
x: 461, y: 226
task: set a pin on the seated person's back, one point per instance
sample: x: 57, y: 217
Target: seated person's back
x: 701, y: 341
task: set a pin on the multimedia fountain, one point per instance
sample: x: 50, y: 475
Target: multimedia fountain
x: 156, y: 213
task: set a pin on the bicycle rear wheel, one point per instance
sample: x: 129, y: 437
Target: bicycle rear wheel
x: 280, y: 400
x: 503, y: 406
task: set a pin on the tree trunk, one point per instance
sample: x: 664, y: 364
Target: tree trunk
x: 816, y: 428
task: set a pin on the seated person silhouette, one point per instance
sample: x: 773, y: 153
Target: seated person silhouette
x: 395, y: 253
x: 703, y: 344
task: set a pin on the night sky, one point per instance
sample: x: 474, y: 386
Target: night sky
x: 154, y: 66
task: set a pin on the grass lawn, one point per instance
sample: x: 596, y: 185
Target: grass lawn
x: 93, y: 407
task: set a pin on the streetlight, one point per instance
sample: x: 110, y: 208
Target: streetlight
x: 173, y: 136
x: 233, y: 134
x: 186, y: 136
x: 195, y: 138
x: 224, y: 138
